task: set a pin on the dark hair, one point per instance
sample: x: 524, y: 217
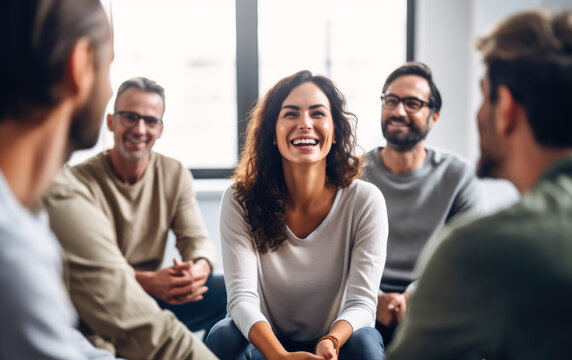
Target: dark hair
x: 419, y: 69
x: 142, y: 84
x: 259, y: 177
x: 531, y: 54
x: 37, y: 37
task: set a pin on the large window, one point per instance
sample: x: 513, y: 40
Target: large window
x: 215, y: 57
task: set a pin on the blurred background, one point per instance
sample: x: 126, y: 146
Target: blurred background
x: 216, y: 57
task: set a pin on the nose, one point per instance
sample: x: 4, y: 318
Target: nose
x: 305, y: 122
x: 400, y: 109
x: 140, y: 127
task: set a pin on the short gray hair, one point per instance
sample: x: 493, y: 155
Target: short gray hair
x: 143, y: 84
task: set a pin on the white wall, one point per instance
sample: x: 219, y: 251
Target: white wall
x: 445, y: 31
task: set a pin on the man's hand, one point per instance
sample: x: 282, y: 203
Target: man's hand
x: 183, y: 282
x: 198, y: 271
x: 391, y: 308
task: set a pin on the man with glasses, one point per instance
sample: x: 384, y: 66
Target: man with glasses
x: 424, y: 188
x: 113, y: 214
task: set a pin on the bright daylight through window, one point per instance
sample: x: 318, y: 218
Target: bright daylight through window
x: 189, y: 47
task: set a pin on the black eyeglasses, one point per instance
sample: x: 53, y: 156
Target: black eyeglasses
x: 411, y: 104
x: 130, y: 118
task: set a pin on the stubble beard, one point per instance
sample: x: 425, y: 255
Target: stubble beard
x: 86, y: 124
x: 488, y: 166
x: 407, y: 142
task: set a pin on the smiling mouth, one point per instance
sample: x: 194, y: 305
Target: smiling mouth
x: 396, y: 122
x: 304, y: 142
x: 136, y: 141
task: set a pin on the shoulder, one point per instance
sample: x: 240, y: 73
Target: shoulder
x: 519, y: 231
x: 508, y: 252
x: 453, y: 171
x: 229, y: 197
x: 232, y: 213
x: 451, y: 161
x: 87, y: 172
x: 70, y: 183
x: 372, y: 154
x: 371, y: 159
x: 363, y: 189
x: 166, y: 163
x: 176, y: 179
x: 363, y: 194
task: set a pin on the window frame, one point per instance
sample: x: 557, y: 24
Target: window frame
x: 247, y: 72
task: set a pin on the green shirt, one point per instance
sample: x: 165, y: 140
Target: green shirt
x: 500, y: 286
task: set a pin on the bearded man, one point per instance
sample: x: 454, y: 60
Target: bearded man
x: 424, y: 188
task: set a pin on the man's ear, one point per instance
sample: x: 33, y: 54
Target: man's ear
x: 434, y: 117
x: 81, y: 70
x: 505, y: 111
x: 110, y: 122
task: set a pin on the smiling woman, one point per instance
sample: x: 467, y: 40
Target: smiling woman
x: 303, y: 241
x: 305, y: 129
x: 261, y: 170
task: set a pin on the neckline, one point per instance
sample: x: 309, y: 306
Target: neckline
x: 322, y: 224
x: 116, y: 180
x: 424, y: 165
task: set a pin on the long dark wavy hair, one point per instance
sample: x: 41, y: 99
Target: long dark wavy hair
x: 259, y: 178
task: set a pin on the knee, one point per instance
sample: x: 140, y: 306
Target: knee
x: 225, y: 339
x: 365, y: 343
x: 223, y: 331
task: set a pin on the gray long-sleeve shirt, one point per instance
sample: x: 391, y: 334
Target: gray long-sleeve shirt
x: 420, y: 203
x: 308, y: 284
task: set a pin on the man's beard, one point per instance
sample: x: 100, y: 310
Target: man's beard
x: 404, y: 142
x: 126, y: 154
x: 86, y: 123
x: 487, y: 166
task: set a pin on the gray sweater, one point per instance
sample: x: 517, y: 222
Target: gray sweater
x: 418, y: 204
x: 308, y: 284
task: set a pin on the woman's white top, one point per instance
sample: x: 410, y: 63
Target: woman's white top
x: 308, y: 284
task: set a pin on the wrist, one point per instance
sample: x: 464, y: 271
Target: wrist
x: 145, y: 279
x: 203, y: 262
x: 278, y: 355
x: 331, y: 338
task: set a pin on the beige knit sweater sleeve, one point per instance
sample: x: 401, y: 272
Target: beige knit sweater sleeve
x: 102, y: 285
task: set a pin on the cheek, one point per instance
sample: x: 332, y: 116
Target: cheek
x: 120, y: 131
x: 278, y: 133
x: 279, y: 137
x: 329, y: 128
x: 282, y: 130
x: 482, y: 117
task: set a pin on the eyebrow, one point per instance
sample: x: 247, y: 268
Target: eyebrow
x: 294, y: 107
